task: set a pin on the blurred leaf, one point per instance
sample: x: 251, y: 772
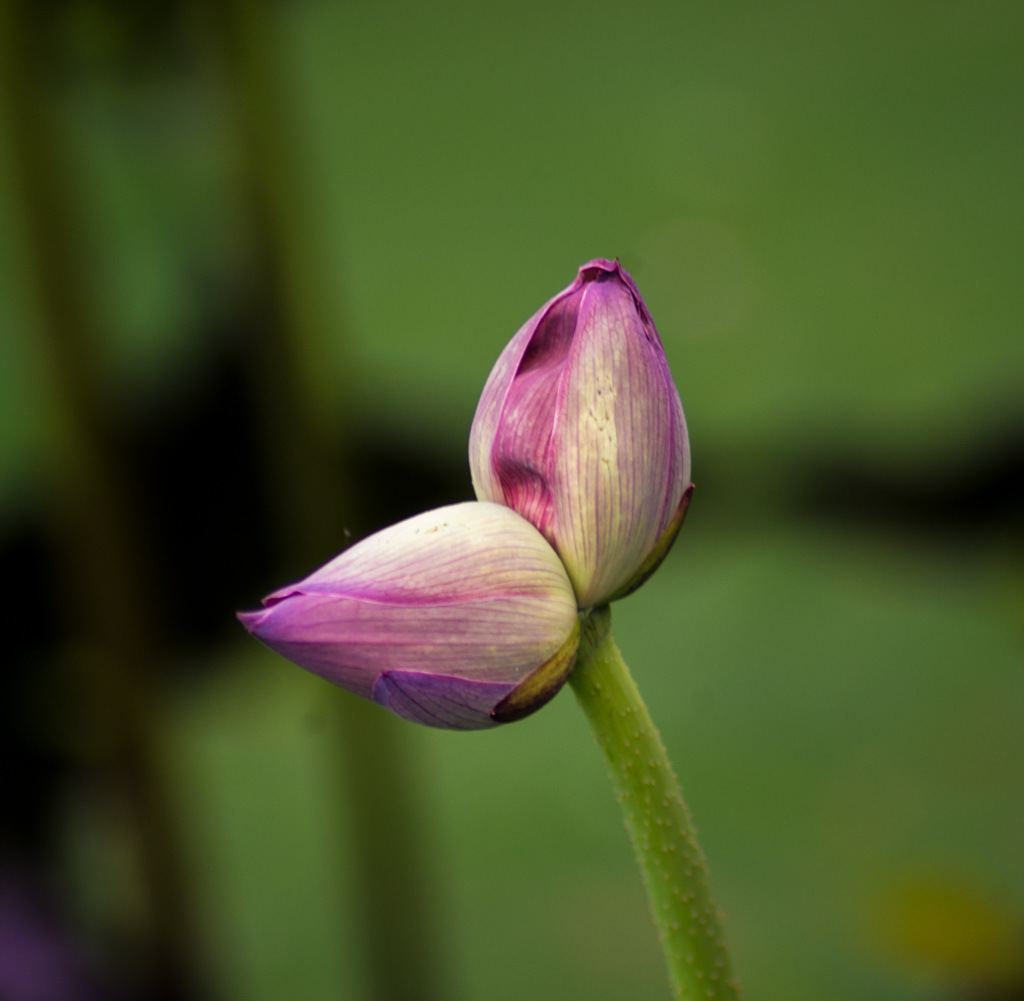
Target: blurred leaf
x: 163, y: 233
x: 821, y: 203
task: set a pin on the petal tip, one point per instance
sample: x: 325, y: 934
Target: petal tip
x: 251, y: 620
x: 599, y: 264
x: 541, y: 685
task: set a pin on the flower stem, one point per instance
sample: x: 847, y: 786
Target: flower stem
x: 658, y: 821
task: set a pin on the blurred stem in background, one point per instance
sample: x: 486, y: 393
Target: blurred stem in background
x: 312, y: 501
x: 108, y: 593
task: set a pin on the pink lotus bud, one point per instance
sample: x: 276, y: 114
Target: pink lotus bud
x: 459, y: 618
x: 581, y: 431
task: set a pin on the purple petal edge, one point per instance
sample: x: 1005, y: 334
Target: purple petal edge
x: 251, y: 619
x: 440, y: 700
x: 495, y: 392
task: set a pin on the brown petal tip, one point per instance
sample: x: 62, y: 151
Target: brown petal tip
x: 660, y: 550
x: 541, y: 685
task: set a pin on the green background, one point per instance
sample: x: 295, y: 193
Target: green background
x: 822, y: 204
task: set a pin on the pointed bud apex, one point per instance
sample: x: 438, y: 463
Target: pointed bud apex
x: 581, y: 431
x: 459, y: 618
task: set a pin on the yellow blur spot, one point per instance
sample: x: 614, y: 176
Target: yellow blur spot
x: 955, y: 931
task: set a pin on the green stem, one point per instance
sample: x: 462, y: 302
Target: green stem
x: 658, y: 821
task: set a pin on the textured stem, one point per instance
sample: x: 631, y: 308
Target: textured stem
x: 657, y: 819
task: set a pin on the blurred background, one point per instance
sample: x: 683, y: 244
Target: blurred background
x: 256, y: 261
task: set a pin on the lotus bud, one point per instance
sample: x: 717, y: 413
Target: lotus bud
x: 580, y: 429
x: 460, y: 618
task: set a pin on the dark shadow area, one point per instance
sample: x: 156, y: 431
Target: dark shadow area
x: 206, y: 520
x: 196, y: 472
x: 973, y: 493
x: 33, y: 626
x: 40, y: 955
x: 398, y: 481
x: 1011, y: 992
